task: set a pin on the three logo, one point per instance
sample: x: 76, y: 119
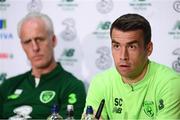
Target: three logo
x: 176, y: 63
x: 176, y: 6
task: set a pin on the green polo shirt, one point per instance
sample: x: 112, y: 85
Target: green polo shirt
x: 156, y: 96
x: 20, y: 97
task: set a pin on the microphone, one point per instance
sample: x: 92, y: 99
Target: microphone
x: 100, y: 108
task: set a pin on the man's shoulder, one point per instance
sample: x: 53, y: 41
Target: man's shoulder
x: 70, y: 78
x: 163, y: 70
x: 21, y: 75
x: 17, y: 77
x: 13, y: 81
x: 106, y: 76
x: 164, y: 75
x: 109, y: 72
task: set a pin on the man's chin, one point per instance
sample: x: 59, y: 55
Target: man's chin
x: 39, y: 65
x: 124, y: 73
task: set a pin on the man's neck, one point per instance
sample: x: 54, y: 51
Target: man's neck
x: 37, y: 72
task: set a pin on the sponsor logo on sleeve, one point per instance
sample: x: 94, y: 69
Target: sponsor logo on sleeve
x: 161, y: 104
x: 72, y: 98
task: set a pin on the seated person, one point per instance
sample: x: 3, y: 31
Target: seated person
x: 33, y: 93
x: 136, y: 88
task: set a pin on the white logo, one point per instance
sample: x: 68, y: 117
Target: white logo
x: 34, y: 6
x: 104, y: 6
x: 176, y: 6
x: 18, y: 91
x: 22, y: 113
x: 104, y: 61
x: 69, y: 33
x: 176, y: 64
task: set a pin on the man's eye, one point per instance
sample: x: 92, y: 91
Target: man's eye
x: 26, y: 41
x: 132, y: 46
x: 116, y: 46
x: 40, y: 39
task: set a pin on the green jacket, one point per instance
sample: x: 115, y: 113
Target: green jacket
x: 156, y: 96
x: 20, y: 97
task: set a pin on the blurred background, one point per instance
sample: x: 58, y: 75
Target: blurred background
x: 82, y: 28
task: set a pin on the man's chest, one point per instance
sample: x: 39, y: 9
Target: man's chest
x: 131, y: 104
x: 30, y: 101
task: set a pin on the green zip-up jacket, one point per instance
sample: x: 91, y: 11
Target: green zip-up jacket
x: 156, y: 96
x: 20, y: 98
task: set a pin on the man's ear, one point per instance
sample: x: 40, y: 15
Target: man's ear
x: 54, y: 40
x: 149, y: 48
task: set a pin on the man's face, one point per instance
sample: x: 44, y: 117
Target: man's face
x: 130, y: 55
x: 37, y: 43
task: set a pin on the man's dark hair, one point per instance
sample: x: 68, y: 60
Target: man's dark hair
x: 130, y: 22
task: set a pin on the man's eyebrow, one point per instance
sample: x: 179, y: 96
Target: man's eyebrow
x: 114, y: 41
x: 25, y: 40
x: 131, y: 42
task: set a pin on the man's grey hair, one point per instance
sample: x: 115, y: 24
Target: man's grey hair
x: 37, y: 15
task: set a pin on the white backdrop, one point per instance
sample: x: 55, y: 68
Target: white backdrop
x: 82, y: 29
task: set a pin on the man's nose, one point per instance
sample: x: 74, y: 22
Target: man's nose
x: 35, y: 45
x: 123, y: 53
